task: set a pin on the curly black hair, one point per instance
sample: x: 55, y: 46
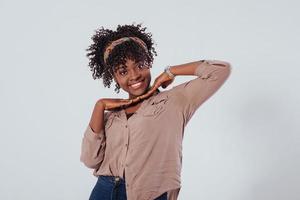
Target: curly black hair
x: 126, y: 50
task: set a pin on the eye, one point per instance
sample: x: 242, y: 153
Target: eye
x: 122, y: 72
x: 142, y: 66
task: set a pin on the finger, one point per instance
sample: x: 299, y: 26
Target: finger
x: 129, y: 101
x: 135, y: 99
x: 154, y: 88
x: 144, y: 96
x: 126, y: 102
x: 151, y: 91
x: 148, y: 94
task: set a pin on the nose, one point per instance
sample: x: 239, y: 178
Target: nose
x: 134, y: 74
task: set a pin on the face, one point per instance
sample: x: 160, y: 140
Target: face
x: 133, y: 77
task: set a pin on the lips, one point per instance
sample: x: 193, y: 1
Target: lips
x: 136, y: 85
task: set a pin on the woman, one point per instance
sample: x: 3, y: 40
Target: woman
x: 134, y: 145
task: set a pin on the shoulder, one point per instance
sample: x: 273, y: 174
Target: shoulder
x: 107, y: 115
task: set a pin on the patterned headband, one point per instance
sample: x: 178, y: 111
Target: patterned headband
x: 121, y: 40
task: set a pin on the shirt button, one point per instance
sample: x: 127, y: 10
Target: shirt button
x: 125, y: 126
x: 127, y: 184
x: 126, y: 145
x: 126, y: 165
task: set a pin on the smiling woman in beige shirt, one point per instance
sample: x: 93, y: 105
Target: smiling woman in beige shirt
x: 134, y: 145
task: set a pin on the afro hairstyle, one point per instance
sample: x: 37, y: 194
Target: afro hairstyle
x: 126, y: 50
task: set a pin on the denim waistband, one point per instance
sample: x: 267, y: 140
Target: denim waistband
x: 112, y: 179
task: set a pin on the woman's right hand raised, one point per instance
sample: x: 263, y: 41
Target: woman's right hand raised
x: 111, y: 104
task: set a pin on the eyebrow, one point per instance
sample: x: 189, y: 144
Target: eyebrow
x: 119, y: 66
x: 124, y: 66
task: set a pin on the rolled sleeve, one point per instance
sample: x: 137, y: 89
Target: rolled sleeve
x: 191, y: 94
x: 93, y: 147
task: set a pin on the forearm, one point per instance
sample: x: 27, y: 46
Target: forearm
x: 96, y: 121
x: 93, y: 142
x: 191, y: 67
x: 188, y: 96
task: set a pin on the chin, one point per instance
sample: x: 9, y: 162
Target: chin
x: 139, y: 91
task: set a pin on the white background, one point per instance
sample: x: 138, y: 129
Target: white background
x: 242, y: 144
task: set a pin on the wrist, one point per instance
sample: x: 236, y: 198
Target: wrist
x: 169, y: 72
x: 100, y: 105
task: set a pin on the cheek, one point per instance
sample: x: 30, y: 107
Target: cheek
x: 148, y: 80
x: 123, y: 84
x: 148, y: 76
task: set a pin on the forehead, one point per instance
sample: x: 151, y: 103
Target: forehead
x: 128, y: 64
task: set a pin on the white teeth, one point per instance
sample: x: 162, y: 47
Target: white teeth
x: 136, y: 85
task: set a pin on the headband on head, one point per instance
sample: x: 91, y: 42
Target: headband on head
x: 121, y: 40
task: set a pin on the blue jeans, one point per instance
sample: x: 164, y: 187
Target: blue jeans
x: 113, y: 188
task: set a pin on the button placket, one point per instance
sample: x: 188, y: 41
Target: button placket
x: 126, y: 138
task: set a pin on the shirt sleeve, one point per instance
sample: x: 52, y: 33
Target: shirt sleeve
x: 191, y: 94
x: 93, y: 146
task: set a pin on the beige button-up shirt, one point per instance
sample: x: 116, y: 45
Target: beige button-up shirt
x: 148, y: 145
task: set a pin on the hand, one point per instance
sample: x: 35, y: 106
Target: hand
x: 111, y: 104
x: 162, y: 80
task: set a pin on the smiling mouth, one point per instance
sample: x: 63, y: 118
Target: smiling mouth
x: 136, y: 85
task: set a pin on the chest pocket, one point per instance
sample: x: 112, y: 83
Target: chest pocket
x: 156, y: 106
